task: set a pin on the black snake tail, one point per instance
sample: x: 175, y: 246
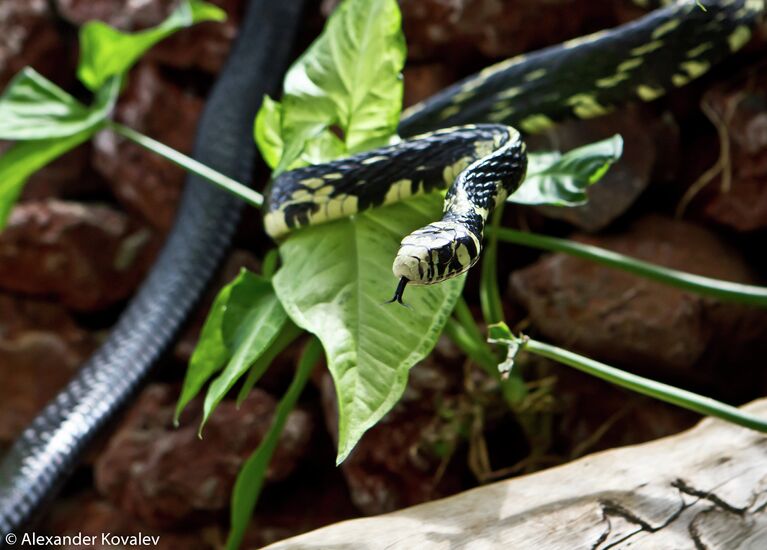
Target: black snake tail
x: 589, y: 76
x: 48, y: 449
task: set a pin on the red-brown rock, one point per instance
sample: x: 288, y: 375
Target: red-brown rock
x: 127, y: 16
x: 41, y: 347
x: 87, y: 257
x: 165, y: 476
x: 143, y: 181
x: 425, y: 80
x: 27, y: 37
x: 67, y: 177
x: 496, y: 29
x: 650, y: 152
x: 204, y: 46
x: 617, y: 317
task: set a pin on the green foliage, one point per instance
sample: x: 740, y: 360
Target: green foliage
x: 47, y: 121
x: 24, y: 159
x: 268, y: 131
x: 335, y: 277
x: 33, y: 107
x: 334, y: 281
x: 286, y: 337
x: 562, y: 180
x: 106, y: 52
x: 348, y: 80
x: 251, y: 478
x: 244, y: 321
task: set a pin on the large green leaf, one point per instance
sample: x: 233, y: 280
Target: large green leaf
x: 348, y: 81
x: 334, y: 281
x: 24, y: 159
x: 562, y: 180
x: 244, y: 320
x: 107, y: 52
x: 33, y: 107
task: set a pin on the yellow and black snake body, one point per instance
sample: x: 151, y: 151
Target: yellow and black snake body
x: 481, y: 164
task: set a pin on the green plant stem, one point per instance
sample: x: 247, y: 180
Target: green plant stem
x: 250, y: 480
x: 645, y: 386
x: 473, y: 348
x: 725, y: 290
x: 237, y: 189
x: 466, y: 319
x: 489, y: 295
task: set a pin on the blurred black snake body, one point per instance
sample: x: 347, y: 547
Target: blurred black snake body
x: 582, y: 78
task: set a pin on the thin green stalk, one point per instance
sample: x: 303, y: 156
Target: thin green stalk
x: 489, y: 295
x: 217, y: 178
x: 250, y: 480
x: 473, y: 348
x: 725, y: 290
x: 466, y: 319
x: 645, y: 386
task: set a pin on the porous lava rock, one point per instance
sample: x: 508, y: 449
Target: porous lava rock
x: 166, y: 476
x: 88, y: 257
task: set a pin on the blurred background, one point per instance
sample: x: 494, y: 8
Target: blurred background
x: 690, y: 193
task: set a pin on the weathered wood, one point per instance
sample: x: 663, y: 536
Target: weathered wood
x: 702, y: 489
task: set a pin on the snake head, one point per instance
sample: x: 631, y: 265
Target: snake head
x: 436, y: 252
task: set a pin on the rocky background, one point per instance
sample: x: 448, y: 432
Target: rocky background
x: 690, y: 193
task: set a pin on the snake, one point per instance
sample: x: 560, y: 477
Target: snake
x: 463, y: 139
x: 480, y: 165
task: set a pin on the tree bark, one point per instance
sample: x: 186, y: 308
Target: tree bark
x: 705, y: 488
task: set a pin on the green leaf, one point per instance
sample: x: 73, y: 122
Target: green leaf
x: 253, y: 319
x: 33, y: 107
x: 286, y: 337
x: 348, y: 80
x: 24, y: 159
x: 232, y: 334
x: 562, y: 180
x: 334, y: 281
x: 250, y: 480
x: 106, y: 52
x: 267, y: 131
x: 211, y: 352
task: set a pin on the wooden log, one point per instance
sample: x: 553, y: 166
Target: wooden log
x: 705, y: 488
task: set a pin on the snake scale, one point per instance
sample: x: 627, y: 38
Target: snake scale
x: 479, y: 163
